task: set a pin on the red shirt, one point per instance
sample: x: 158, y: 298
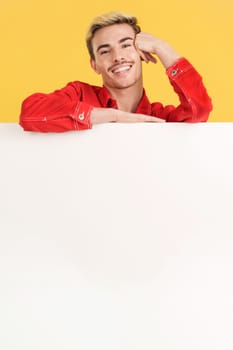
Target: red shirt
x: 70, y: 107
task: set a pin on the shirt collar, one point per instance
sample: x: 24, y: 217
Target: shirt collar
x: 106, y: 99
x: 144, y: 106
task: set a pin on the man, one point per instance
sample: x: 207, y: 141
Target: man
x: 117, y: 48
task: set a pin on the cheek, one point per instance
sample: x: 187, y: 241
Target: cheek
x: 101, y: 67
x: 138, y: 62
x: 136, y: 58
x: 98, y: 68
x: 135, y: 52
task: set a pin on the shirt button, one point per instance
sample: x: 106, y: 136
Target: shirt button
x: 174, y: 72
x: 81, y: 116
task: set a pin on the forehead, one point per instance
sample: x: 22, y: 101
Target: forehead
x: 112, y: 34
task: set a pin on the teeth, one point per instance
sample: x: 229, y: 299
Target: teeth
x: 121, y: 69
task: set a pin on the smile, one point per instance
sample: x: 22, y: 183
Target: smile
x: 121, y: 68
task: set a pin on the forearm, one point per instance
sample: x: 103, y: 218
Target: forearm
x: 148, y: 45
x: 167, y: 55
x: 195, y: 103
x: 103, y: 115
x: 106, y: 115
x: 54, y: 113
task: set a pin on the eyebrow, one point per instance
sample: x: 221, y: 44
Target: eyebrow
x: 108, y: 45
x: 124, y: 39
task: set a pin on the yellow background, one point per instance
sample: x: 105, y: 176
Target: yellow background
x: 43, y: 46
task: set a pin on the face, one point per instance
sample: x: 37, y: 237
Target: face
x: 116, y: 57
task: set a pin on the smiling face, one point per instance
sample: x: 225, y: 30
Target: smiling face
x: 116, y: 57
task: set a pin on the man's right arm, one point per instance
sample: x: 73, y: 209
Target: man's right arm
x: 106, y: 115
x: 58, y: 111
x: 62, y: 111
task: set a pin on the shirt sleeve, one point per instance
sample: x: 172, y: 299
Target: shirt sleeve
x: 59, y: 111
x: 195, y: 104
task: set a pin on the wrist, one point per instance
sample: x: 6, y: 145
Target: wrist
x: 167, y: 55
x: 103, y: 115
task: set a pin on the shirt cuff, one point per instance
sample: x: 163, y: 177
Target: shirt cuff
x: 178, y: 67
x: 81, y: 116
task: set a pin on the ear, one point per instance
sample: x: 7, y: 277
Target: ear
x: 94, y: 65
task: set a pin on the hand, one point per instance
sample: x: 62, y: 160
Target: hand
x: 145, y: 44
x: 125, y: 117
x: 149, y: 45
x: 106, y: 115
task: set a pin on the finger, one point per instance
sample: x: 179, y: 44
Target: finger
x: 147, y: 57
x: 150, y: 57
x: 155, y: 120
x: 137, y: 118
x: 143, y: 55
x: 147, y: 118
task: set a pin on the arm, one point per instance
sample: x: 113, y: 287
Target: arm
x: 63, y: 110
x: 195, y: 104
x: 149, y: 45
x: 106, y: 115
x: 58, y: 111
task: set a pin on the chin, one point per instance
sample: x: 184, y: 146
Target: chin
x: 124, y: 84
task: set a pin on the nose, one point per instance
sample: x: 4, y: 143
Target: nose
x: 117, y: 55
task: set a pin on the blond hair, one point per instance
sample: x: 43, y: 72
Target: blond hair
x: 106, y: 20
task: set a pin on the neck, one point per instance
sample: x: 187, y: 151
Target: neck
x: 127, y: 98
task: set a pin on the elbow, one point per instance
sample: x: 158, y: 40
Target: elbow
x: 200, y: 112
x: 29, y: 118
x: 204, y: 111
x: 205, y: 108
x: 24, y: 116
x: 25, y: 124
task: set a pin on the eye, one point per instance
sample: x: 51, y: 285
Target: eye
x: 126, y: 45
x: 104, y: 52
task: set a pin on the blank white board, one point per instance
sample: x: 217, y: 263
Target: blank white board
x: 119, y: 237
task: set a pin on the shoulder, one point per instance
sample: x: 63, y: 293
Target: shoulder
x: 80, y: 85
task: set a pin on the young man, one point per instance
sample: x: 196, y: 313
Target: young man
x: 117, y: 48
